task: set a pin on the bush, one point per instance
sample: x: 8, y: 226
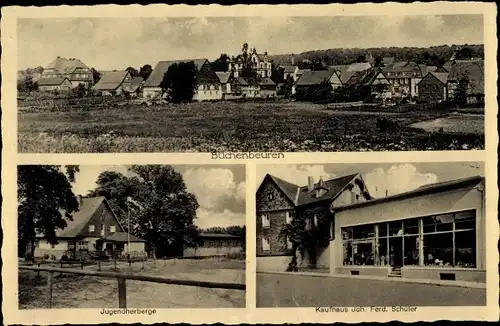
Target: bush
x: 386, y: 125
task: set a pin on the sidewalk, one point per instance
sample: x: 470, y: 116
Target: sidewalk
x: 462, y: 284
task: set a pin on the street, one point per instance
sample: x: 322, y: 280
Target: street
x: 275, y: 290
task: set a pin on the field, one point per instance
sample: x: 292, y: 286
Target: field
x: 74, y: 291
x: 230, y: 126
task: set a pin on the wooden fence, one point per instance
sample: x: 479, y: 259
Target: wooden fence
x: 122, y: 281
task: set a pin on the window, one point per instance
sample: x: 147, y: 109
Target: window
x: 102, y: 229
x: 289, y: 217
x: 266, y: 221
x: 83, y: 245
x: 289, y: 244
x: 266, y: 244
x: 410, y: 226
x: 112, y: 229
x: 91, y: 228
x: 315, y: 220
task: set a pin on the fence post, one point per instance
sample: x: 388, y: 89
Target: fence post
x: 115, y: 262
x: 61, y: 263
x: 99, y: 265
x: 38, y: 272
x: 122, y: 293
x: 49, y: 290
x: 81, y: 264
x: 142, y: 264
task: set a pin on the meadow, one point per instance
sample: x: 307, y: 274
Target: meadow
x: 232, y: 126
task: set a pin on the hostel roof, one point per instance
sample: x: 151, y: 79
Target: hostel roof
x: 110, y: 80
x: 473, y: 69
x: 65, y: 66
x: 123, y: 237
x: 424, y: 190
x: 51, y: 81
x: 314, y: 77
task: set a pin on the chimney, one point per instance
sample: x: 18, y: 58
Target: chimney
x: 293, y: 60
x: 387, y: 192
x: 80, y: 200
x: 310, y: 183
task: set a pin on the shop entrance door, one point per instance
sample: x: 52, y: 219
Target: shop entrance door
x: 396, y: 252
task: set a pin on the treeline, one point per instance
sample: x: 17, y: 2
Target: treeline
x: 434, y: 55
x: 232, y: 230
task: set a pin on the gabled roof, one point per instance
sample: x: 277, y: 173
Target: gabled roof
x: 441, y: 76
x: 110, y: 80
x: 314, y: 77
x: 340, y: 69
x: 302, y: 71
x: 65, y: 66
x: 123, y: 237
x: 346, y: 76
x: 156, y: 77
x: 51, y: 81
x: 474, y: 70
x: 359, y: 66
x: 424, y: 190
x: 266, y: 82
x: 302, y: 196
x: 135, y: 83
x: 223, y: 76
x: 431, y: 68
x: 367, y: 78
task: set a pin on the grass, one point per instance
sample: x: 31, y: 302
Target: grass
x: 76, y: 291
x: 229, y: 126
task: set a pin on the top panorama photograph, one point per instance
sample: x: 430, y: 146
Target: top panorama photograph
x: 248, y: 84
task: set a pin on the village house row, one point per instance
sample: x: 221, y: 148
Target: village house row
x: 397, y: 78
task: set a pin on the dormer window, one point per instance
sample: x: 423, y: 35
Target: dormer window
x: 320, y: 192
x: 270, y: 196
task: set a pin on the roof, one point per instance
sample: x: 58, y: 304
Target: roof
x: 359, y: 66
x: 302, y: 196
x: 387, y: 60
x: 341, y: 69
x: 219, y: 235
x: 431, y: 68
x: 367, y: 78
x: 51, y: 81
x: 289, y: 69
x: 346, y: 76
x: 474, y: 70
x: 223, y: 76
x: 110, y: 80
x: 135, y: 83
x: 156, y: 77
x: 441, y: 76
x: 302, y: 71
x: 314, y: 77
x: 424, y: 190
x: 65, y: 66
x: 123, y: 237
x: 267, y: 82
x: 80, y: 218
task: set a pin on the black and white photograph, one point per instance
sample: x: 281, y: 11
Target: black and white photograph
x: 250, y: 84
x: 364, y: 235
x: 139, y: 236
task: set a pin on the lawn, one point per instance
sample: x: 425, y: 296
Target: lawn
x: 230, y: 126
x: 74, y: 291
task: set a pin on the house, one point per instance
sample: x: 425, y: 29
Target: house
x: 404, y: 76
x: 267, y: 88
x: 134, y: 88
x: 54, y: 84
x: 473, y: 72
x: 372, y: 82
x: 74, y: 69
x: 290, y: 71
x: 259, y: 63
x: 431, y: 232
x: 341, y: 69
x: 224, y: 81
x: 300, y: 72
x: 243, y: 87
x: 216, y: 244
x: 113, y: 83
x: 387, y: 61
x: 278, y: 202
x: 316, y: 77
x: 433, y: 87
x: 94, y: 229
x: 208, y: 87
x: 447, y: 65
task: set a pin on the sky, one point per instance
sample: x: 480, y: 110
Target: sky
x: 220, y: 190
x: 381, y: 177
x: 117, y: 43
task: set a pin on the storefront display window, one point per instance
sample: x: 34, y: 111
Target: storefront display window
x: 446, y: 240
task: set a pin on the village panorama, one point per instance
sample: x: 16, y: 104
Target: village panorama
x: 249, y: 99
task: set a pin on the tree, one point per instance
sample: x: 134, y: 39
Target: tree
x: 461, y: 90
x: 96, y: 75
x: 464, y: 53
x: 27, y: 84
x: 44, y: 191
x: 145, y: 71
x: 179, y: 82
x: 165, y: 211
x: 286, y: 88
x: 278, y: 75
x: 378, y: 61
x: 133, y: 72
x: 361, y: 59
x: 221, y: 64
x: 79, y: 91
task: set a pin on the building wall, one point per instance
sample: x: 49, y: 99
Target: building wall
x: 151, y: 92
x: 272, y: 263
x: 135, y: 247
x: 430, y: 89
x: 335, y: 81
x: 446, y: 202
x: 264, y: 93
x: 211, y: 251
x: 207, y: 92
x: 102, y: 216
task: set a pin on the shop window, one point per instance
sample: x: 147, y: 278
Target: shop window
x: 363, y: 253
x: 364, y: 231
x: 347, y: 253
x: 465, y: 248
x: 382, y: 230
x: 438, y: 249
x: 410, y: 255
x: 396, y: 228
x: 346, y: 233
x: 444, y: 222
x: 383, y: 254
x: 411, y: 226
x: 465, y: 220
x: 266, y: 221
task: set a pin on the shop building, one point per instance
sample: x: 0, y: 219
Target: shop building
x: 433, y: 232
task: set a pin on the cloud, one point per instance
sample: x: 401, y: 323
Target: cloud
x: 85, y: 180
x: 296, y: 174
x: 208, y: 218
x: 215, y: 188
x: 396, y: 179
